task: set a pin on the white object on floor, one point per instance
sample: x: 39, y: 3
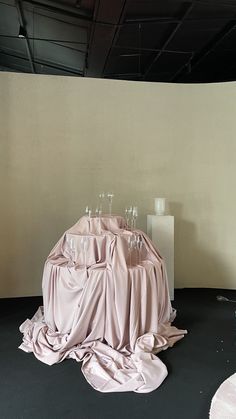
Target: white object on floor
x: 160, y: 229
x: 223, y: 404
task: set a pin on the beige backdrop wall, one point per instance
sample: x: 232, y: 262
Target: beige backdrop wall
x: 65, y: 139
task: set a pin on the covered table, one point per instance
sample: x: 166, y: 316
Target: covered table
x: 105, y: 304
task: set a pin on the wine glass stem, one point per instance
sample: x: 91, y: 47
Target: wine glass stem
x: 110, y: 206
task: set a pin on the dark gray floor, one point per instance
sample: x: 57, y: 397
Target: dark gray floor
x: 197, y: 365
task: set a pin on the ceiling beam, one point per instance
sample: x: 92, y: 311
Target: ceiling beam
x: 22, y: 24
x: 144, y: 49
x: 105, y: 29
x: 219, y: 3
x: 167, y: 21
x: 170, y: 37
x: 63, y: 8
x: 122, y: 75
x: 44, y: 63
x: 44, y: 39
x: 194, y: 61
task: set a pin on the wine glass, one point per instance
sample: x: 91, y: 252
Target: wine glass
x: 128, y: 212
x: 135, y: 246
x: 88, y: 211
x: 71, y: 245
x: 101, y: 197
x: 139, y: 246
x: 98, y: 213
x: 135, y: 216
x: 110, y: 196
x: 85, y: 244
x: 127, y: 216
x: 132, y: 245
x: 130, y: 248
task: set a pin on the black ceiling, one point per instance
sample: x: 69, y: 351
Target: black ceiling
x: 144, y: 40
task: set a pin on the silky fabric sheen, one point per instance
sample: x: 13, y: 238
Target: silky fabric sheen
x: 223, y: 404
x: 109, y: 308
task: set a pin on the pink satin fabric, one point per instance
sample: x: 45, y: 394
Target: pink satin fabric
x: 223, y: 404
x: 114, y: 314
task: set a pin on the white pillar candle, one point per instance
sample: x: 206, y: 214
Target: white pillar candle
x: 160, y: 206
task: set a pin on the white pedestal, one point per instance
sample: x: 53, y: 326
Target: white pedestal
x: 160, y: 229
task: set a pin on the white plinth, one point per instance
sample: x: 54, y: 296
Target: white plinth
x: 160, y: 229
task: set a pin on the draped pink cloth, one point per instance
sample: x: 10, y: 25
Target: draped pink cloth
x: 108, y: 307
x: 223, y: 404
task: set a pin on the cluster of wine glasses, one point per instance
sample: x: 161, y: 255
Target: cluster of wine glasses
x: 72, y: 250
x: 99, y: 208
x: 131, y: 215
x: 89, y: 212
x: 135, y: 245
